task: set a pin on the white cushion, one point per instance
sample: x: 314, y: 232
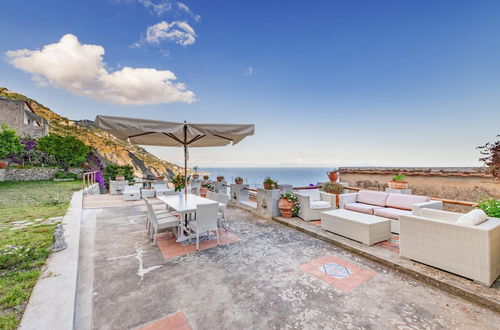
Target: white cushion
x: 404, y: 201
x: 473, y: 218
x: 314, y: 205
x: 360, y: 207
x: 391, y: 213
x: 372, y: 197
x: 313, y: 194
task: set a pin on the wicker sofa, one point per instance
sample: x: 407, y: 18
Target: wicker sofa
x: 387, y: 205
x: 313, y: 202
x: 435, y: 238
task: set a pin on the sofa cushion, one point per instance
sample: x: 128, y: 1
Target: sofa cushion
x: 372, y: 197
x: 313, y: 194
x: 390, y: 213
x: 315, y: 205
x: 473, y: 218
x: 360, y: 207
x: 404, y: 201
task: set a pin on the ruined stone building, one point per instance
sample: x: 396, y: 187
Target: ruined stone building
x: 18, y: 114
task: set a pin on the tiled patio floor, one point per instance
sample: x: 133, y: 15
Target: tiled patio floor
x: 273, y: 277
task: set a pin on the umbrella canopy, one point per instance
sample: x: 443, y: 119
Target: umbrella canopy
x: 171, y: 134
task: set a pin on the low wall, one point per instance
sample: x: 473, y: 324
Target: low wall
x: 33, y: 174
x: 93, y: 189
x: 466, y: 184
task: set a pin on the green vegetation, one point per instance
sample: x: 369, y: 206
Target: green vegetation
x: 491, y: 157
x: 64, y: 175
x: 332, y: 187
x: 10, y: 143
x: 23, y: 251
x: 491, y: 207
x: 398, y: 177
x: 292, y: 197
x: 67, y: 150
x: 270, y: 183
x: 179, y: 181
x: 111, y: 171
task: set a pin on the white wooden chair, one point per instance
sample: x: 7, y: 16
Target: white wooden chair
x: 206, y: 220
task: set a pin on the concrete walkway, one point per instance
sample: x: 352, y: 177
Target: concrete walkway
x: 273, y: 277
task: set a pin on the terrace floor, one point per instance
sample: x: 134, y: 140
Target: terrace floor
x: 264, y: 276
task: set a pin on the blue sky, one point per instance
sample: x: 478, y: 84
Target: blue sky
x: 327, y: 83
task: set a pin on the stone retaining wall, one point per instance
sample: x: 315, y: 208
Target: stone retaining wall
x: 33, y: 174
x: 93, y: 189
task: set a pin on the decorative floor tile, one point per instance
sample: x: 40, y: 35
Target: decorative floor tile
x: 391, y: 244
x: 170, y: 248
x: 337, y: 272
x: 175, y: 321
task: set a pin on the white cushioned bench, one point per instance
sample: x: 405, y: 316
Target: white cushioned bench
x: 365, y: 228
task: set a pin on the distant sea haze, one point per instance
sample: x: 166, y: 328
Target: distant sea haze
x: 297, y: 176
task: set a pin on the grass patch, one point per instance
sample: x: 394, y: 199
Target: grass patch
x: 23, y: 251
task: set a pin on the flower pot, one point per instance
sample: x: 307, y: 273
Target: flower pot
x: 398, y: 184
x: 285, y: 207
x: 196, y: 176
x: 268, y: 186
x: 220, y: 178
x: 85, y: 165
x: 160, y: 178
x: 203, y: 191
x: 3, y: 164
x: 206, y: 177
x: 333, y: 176
x: 120, y: 178
x: 240, y: 181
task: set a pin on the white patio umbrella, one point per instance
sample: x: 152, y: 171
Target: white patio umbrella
x: 171, y: 134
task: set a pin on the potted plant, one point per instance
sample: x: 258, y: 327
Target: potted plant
x: 196, y: 176
x: 206, y: 177
x: 238, y: 180
x: 205, y: 188
x: 398, y: 182
x: 220, y: 178
x: 491, y: 207
x: 120, y: 174
x: 333, y: 188
x: 178, y: 182
x: 288, y: 204
x: 270, y: 184
x: 333, y: 175
x: 160, y: 178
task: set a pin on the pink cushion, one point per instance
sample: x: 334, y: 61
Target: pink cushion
x: 390, y: 213
x: 372, y: 197
x: 403, y: 201
x: 360, y: 207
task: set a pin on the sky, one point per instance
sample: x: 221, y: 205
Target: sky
x: 326, y: 83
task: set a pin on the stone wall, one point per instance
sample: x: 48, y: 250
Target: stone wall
x: 93, y: 189
x: 33, y: 174
x: 466, y: 184
x: 12, y: 114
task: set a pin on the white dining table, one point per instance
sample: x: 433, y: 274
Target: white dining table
x: 184, y: 205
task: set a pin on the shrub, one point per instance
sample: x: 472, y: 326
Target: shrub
x: 111, y: 171
x: 332, y: 187
x: 270, y: 183
x: 491, y: 207
x: 179, y: 182
x: 491, y: 153
x: 291, y: 197
x: 10, y: 143
x: 67, y: 150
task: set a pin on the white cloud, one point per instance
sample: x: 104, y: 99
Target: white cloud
x: 179, y: 32
x: 159, y: 8
x: 80, y: 69
x: 185, y: 8
x: 249, y: 71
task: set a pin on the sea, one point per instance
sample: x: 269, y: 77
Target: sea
x: 296, y: 176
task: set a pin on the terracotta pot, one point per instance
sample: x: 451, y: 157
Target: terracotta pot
x: 203, y: 191
x: 286, y: 207
x: 333, y: 176
x: 85, y: 165
x: 196, y: 176
x: 398, y: 184
x: 120, y: 178
x: 160, y: 178
x: 206, y: 177
x: 220, y: 178
x: 240, y: 181
x: 4, y: 164
x: 268, y: 186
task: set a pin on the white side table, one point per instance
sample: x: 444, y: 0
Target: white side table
x: 148, y: 193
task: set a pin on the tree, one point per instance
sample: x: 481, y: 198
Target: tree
x: 10, y: 143
x: 68, y: 150
x: 491, y: 153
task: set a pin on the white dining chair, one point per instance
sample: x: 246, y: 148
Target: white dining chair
x: 159, y: 221
x: 206, y: 220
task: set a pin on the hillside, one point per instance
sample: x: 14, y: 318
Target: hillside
x: 107, y: 146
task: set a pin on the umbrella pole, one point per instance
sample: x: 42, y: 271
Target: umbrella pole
x: 185, y: 171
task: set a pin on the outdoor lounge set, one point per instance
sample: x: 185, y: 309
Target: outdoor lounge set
x: 464, y: 244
